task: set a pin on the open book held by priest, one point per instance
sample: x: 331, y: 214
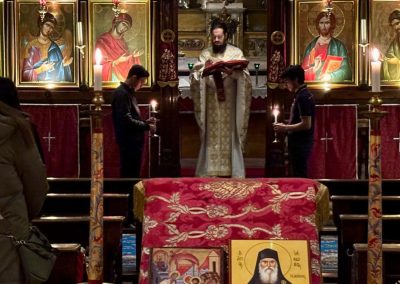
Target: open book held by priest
x: 219, y: 66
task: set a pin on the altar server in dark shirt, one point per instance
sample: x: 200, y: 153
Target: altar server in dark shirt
x: 300, y: 128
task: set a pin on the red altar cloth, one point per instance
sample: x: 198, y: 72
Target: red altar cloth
x: 195, y: 212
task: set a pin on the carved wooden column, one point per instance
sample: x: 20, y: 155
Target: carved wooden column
x: 167, y: 79
x: 278, y: 50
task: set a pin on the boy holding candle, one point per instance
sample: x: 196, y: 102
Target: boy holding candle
x: 129, y: 126
x: 300, y: 128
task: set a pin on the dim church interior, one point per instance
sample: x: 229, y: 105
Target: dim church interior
x: 342, y: 138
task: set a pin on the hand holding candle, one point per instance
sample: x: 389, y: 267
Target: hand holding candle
x: 376, y: 71
x: 98, y: 70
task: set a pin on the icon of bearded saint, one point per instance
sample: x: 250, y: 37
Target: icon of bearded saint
x: 267, y: 269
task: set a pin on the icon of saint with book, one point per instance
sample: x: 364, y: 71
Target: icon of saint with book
x: 325, y: 58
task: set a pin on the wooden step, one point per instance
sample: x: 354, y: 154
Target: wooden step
x: 76, y: 204
x: 357, y: 204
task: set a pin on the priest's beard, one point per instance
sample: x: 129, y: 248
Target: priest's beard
x: 217, y: 49
x: 268, y: 275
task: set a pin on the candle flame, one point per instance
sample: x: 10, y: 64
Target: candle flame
x: 375, y: 54
x: 98, y: 56
x: 275, y: 111
x: 153, y: 104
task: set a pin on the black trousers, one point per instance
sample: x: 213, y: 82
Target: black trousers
x: 131, y: 161
x: 299, y: 154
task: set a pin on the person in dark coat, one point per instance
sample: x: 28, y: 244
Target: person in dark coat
x: 268, y: 269
x: 129, y: 126
x: 23, y: 188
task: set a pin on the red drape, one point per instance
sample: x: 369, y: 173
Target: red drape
x: 334, y: 154
x: 58, y: 129
x: 111, y: 151
x: 390, y: 130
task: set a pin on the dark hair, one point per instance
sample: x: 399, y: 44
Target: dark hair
x: 8, y: 93
x: 48, y: 17
x: 294, y: 72
x: 395, y: 15
x: 331, y: 18
x: 218, y: 25
x: 139, y: 71
x: 10, y: 106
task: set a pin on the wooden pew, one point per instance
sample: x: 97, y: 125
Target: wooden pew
x: 354, y: 229
x: 359, y: 187
x: 78, y: 204
x: 75, y: 229
x: 391, y: 257
x: 82, y: 185
x: 358, y: 204
x: 69, y: 266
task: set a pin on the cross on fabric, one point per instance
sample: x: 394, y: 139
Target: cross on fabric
x: 326, y: 139
x: 49, y: 138
x: 398, y: 140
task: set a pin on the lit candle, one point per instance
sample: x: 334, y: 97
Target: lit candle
x: 79, y: 34
x: 326, y: 85
x: 153, y: 104
x: 375, y: 71
x: 98, y: 70
x: 363, y: 31
x: 275, y: 113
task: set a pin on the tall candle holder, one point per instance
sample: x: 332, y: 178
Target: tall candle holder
x: 96, y: 232
x: 374, y: 253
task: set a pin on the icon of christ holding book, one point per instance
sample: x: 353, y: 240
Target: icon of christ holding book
x: 325, y: 58
x: 221, y: 92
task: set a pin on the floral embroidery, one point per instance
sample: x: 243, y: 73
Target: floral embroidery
x: 214, y: 211
x: 230, y: 189
x: 148, y: 224
x: 216, y: 232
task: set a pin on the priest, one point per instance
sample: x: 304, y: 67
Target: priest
x: 222, y: 107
